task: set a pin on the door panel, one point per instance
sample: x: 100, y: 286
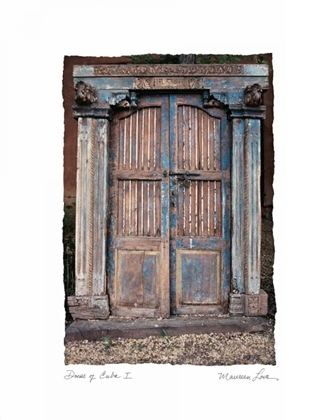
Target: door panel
x: 170, y: 241
x: 198, y: 277
x: 138, y: 273
x: 199, y: 192
x: 139, y: 284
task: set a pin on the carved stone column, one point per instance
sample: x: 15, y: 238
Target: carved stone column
x: 246, y: 298
x: 91, y: 300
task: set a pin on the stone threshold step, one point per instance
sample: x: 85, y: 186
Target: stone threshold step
x: 116, y: 327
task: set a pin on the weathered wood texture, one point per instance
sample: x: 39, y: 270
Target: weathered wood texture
x: 199, y: 207
x: 246, y: 207
x: 252, y: 206
x: 139, y: 279
x: 91, y: 207
x: 238, y: 187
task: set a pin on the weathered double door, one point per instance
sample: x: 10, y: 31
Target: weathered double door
x: 170, y: 221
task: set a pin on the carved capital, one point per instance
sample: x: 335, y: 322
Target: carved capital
x: 91, y: 112
x: 85, y: 94
x: 214, y: 99
x: 124, y: 99
x: 253, y: 95
x: 238, y: 111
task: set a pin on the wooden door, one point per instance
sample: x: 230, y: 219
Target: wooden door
x: 139, y: 256
x: 170, y: 242
x: 200, y: 179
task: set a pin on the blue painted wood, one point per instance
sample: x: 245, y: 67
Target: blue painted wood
x: 107, y: 83
x: 230, y: 84
x: 188, y: 293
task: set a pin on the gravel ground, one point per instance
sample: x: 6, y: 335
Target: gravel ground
x: 201, y: 349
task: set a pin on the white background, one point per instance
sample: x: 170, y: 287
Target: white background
x: 35, y: 36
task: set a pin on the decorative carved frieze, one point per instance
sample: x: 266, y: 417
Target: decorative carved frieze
x: 253, y: 95
x: 145, y: 83
x: 169, y: 70
x: 84, y: 94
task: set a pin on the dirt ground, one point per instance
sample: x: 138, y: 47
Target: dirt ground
x: 201, y: 349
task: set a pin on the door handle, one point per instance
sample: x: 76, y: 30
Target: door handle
x: 182, y: 173
x: 183, y: 176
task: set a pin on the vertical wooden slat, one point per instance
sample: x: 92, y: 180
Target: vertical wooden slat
x: 148, y: 207
x: 192, y: 209
x: 136, y: 209
x: 142, y: 138
x: 154, y: 208
x: 202, y: 140
x: 137, y: 141
x: 155, y: 145
x: 184, y: 211
x: 208, y: 208
x: 215, y: 209
x: 130, y: 141
x: 202, y: 209
x: 196, y: 137
x: 196, y: 209
x: 142, y: 209
x: 189, y: 136
x: 125, y: 143
x: 211, y: 209
x: 208, y: 141
x: 148, y: 139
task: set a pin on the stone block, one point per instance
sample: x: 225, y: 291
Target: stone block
x: 256, y: 305
x: 89, y: 307
x: 236, y: 304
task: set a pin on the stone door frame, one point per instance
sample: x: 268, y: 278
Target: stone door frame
x: 99, y: 90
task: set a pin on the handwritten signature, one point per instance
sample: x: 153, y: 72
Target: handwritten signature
x: 259, y: 376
